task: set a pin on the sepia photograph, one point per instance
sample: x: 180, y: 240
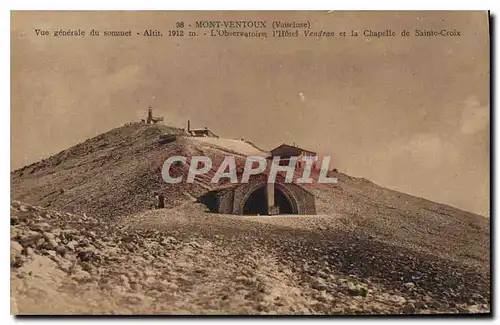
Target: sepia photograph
x: 331, y: 163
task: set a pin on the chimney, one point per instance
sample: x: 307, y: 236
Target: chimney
x: 150, y: 115
x: 189, y: 126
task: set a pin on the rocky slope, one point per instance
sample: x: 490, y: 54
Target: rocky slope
x: 184, y: 261
x: 90, y: 243
x: 118, y: 172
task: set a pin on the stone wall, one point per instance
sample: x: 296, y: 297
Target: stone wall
x: 232, y: 200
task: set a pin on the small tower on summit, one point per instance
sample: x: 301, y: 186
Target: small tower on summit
x: 152, y: 119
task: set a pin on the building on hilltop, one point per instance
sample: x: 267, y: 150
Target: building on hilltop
x: 286, y: 151
x: 201, y: 132
x: 152, y: 119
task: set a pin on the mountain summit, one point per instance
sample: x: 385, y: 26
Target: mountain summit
x: 419, y: 255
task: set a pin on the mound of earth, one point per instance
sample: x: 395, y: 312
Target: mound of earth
x: 119, y: 172
x: 115, y: 173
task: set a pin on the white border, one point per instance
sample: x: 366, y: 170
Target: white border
x: 191, y: 5
x: 252, y: 5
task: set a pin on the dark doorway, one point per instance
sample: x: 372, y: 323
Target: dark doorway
x: 285, y: 206
x: 257, y: 203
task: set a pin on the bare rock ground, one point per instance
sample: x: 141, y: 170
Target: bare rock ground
x: 187, y: 261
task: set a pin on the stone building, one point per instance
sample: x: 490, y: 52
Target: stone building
x: 285, y: 151
x: 200, y: 132
x: 257, y: 197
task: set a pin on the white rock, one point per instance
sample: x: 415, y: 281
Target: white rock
x: 81, y: 275
x: 72, y: 244
x: 43, y: 226
x: 134, y: 299
x: 30, y: 251
x: 15, y: 247
x: 15, y: 252
x: 409, y: 285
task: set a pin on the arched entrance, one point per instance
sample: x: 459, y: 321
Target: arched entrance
x: 256, y: 202
x: 283, y: 203
x: 251, y: 198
